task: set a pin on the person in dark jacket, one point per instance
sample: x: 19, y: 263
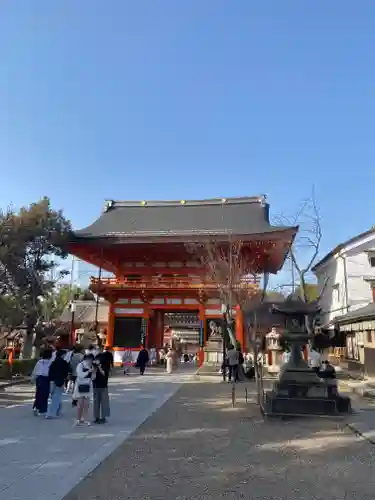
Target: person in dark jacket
x: 100, y: 389
x: 142, y: 360
x: 40, y: 376
x: 58, y: 373
x: 106, y: 359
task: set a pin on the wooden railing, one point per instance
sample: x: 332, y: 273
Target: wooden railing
x: 155, y: 282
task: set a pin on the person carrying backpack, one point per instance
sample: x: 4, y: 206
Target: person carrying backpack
x: 58, y: 373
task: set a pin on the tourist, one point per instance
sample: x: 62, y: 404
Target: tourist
x: 142, y: 360
x: 232, y: 363
x: 153, y: 357
x: 100, y: 389
x: 75, y: 359
x: 69, y: 386
x: 91, y: 350
x: 83, y: 388
x: 328, y: 374
x: 40, y: 376
x: 170, y: 360
x: 162, y: 357
x: 127, y: 360
x: 249, y: 366
x: 315, y: 360
x: 58, y: 373
x: 241, y: 360
x: 106, y: 359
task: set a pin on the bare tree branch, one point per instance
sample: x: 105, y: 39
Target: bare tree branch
x: 230, y: 267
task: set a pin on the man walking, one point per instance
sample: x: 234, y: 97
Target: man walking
x: 58, y: 373
x: 232, y: 360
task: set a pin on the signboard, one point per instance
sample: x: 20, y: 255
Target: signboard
x: 143, y: 331
x: 201, y: 333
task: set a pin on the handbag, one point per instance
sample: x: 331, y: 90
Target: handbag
x: 83, y: 388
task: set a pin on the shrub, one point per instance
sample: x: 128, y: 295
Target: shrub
x: 23, y: 366
x: 4, y: 369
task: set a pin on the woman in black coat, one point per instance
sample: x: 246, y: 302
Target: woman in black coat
x: 142, y: 360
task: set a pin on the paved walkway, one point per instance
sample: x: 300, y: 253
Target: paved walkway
x: 198, y: 447
x: 44, y: 460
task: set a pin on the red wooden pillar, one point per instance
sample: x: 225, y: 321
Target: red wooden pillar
x: 158, y: 328
x: 202, y: 334
x: 146, y: 318
x: 111, y: 327
x: 240, y: 331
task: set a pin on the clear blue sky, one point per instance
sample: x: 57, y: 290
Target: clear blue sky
x: 172, y: 99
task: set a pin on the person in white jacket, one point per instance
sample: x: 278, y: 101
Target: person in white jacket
x: 315, y: 360
x: 83, y: 388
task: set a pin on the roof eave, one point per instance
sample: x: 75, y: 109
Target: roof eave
x: 340, y: 247
x: 80, y: 237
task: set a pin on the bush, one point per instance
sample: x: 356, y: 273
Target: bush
x: 23, y: 367
x: 4, y: 369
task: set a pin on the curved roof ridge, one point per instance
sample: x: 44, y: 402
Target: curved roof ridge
x: 109, y: 204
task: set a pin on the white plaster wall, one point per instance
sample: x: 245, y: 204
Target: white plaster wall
x: 332, y: 274
x: 355, y: 291
x: 359, y: 291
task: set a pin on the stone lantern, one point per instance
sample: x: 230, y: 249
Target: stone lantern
x: 273, y: 350
x: 299, y: 390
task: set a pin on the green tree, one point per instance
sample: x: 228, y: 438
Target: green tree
x: 11, y: 314
x: 31, y: 241
x: 309, y: 294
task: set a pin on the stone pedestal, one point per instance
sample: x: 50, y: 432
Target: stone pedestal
x: 213, y: 352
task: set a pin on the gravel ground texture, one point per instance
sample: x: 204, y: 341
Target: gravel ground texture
x: 198, y: 447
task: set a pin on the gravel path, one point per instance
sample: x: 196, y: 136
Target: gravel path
x: 197, y: 447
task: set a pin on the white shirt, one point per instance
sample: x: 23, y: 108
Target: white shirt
x: 127, y: 357
x: 315, y: 359
x: 68, y: 356
x: 41, y: 369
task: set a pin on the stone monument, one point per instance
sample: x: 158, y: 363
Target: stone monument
x: 213, y: 350
x: 299, y: 390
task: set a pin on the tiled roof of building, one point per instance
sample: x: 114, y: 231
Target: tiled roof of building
x: 366, y: 312
x: 237, y: 216
x: 85, y: 312
x: 342, y: 246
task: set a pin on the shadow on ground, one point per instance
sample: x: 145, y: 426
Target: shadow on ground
x: 198, y: 447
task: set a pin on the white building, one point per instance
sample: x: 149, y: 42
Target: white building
x: 346, y: 276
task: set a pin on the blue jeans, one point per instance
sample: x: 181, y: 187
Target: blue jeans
x: 56, y: 396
